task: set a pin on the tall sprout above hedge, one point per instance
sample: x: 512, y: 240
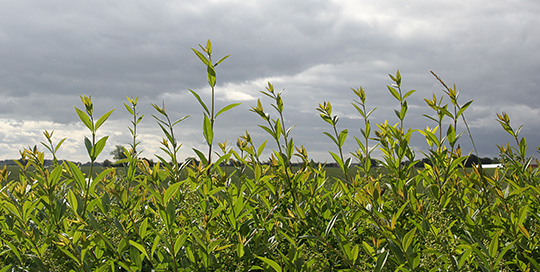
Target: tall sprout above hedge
x: 209, y: 114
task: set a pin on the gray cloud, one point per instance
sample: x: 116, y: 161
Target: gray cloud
x: 317, y: 50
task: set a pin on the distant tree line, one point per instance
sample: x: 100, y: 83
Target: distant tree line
x: 469, y: 162
x: 119, y: 154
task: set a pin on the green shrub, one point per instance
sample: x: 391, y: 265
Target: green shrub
x: 175, y: 216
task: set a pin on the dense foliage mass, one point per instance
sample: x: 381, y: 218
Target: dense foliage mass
x: 195, y: 216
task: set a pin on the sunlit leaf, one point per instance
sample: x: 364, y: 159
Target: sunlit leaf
x: 408, y: 239
x: 170, y: 192
x: 96, y: 149
x: 201, y: 57
x: 226, y: 108
x: 271, y: 263
x: 85, y: 119
x: 221, y: 60
x: 409, y: 93
x: 102, y: 119
x: 342, y: 137
x: 394, y: 93
x: 139, y: 247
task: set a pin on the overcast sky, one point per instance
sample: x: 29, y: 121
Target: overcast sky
x: 53, y: 51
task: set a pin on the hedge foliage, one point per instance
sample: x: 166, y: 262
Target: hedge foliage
x: 274, y: 217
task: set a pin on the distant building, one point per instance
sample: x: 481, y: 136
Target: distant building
x: 493, y: 165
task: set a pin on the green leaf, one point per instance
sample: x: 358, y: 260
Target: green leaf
x: 446, y: 112
x: 494, y: 246
x: 370, y: 112
x: 226, y: 108
x: 523, y: 148
x: 277, y: 127
x: 221, y: 159
x: 139, y: 247
x: 99, y: 177
x: 271, y: 263
x: 180, y: 242
x: 238, y: 205
x: 221, y: 60
x: 408, y: 239
x: 55, y: 175
x: 480, y: 255
x: 463, y: 108
x: 211, y: 76
x: 59, y: 144
x: 451, y: 134
x: 519, y: 191
x: 381, y: 261
x: 397, y: 113
x: 95, y: 225
x: 14, y: 210
x: 129, y: 109
x: 394, y: 93
x: 403, y: 111
x: 430, y: 137
x: 342, y: 137
x: 502, y: 253
x: 201, y: 156
x: 267, y: 129
x: 368, y: 248
x: 102, y: 119
x: 347, y: 163
x: 359, y: 110
x: 331, y: 223
x: 261, y: 148
x: 8, y: 267
x: 464, y: 257
x: 279, y: 103
x: 208, y: 130
x: 240, y: 250
x: 397, y: 251
x: 141, y: 117
x: 170, y: 192
x: 143, y: 227
x: 155, y: 244
x: 327, y: 119
x: 73, y: 202
x: 88, y: 145
x: 84, y: 118
x: 533, y: 262
x: 400, y: 211
x: 290, y: 148
x: 96, y: 150
x: 77, y: 174
x: 331, y: 137
x: 430, y: 118
x: 409, y: 93
x: 208, y: 47
x: 367, y: 130
x: 201, y: 57
x: 200, y: 102
x: 337, y: 159
x: 354, y: 253
x: 167, y: 134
